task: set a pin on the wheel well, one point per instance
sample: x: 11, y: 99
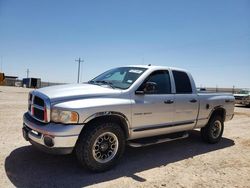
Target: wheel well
x: 219, y: 112
x: 110, y: 118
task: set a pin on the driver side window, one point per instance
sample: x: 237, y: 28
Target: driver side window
x: 161, y: 81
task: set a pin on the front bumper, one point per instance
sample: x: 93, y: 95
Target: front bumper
x: 51, y: 137
x: 244, y: 102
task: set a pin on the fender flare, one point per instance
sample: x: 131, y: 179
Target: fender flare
x: 110, y: 113
x: 220, y: 107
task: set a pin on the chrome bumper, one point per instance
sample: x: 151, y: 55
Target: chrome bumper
x: 244, y: 102
x: 61, y: 137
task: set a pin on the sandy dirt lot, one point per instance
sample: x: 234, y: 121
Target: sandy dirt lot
x: 184, y: 163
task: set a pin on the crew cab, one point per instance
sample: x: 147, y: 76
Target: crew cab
x: 133, y: 105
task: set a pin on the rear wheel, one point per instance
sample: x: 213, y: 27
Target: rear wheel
x: 213, y: 131
x: 100, y: 146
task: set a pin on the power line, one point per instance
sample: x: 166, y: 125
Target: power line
x: 79, y: 65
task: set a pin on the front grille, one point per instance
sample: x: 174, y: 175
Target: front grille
x: 238, y: 97
x: 39, y: 114
x: 38, y: 101
x: 37, y: 108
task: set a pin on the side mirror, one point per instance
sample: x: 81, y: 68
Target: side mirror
x: 148, y: 88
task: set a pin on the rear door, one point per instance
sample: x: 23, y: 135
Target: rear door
x: 186, y: 101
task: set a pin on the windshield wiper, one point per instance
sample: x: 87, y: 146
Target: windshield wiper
x: 102, y: 82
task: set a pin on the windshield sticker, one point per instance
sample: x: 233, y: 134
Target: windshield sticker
x: 135, y: 71
x: 129, y: 81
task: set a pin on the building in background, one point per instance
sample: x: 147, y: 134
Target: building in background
x: 10, y: 80
x: 32, y: 82
x: 2, y: 78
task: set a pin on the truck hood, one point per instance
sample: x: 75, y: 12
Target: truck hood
x: 76, y: 91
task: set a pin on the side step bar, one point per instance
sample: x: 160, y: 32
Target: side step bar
x: 157, y: 139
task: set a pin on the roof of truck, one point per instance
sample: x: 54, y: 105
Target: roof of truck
x: 155, y: 67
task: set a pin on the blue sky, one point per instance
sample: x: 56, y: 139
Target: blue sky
x: 209, y: 38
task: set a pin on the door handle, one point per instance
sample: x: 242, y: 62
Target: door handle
x: 169, y: 101
x: 193, y: 100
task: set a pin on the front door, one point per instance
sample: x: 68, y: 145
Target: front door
x: 153, y: 109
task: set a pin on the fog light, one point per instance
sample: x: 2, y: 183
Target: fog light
x: 48, y: 141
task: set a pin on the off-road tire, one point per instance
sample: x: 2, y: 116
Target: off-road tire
x: 207, y: 131
x: 86, y: 140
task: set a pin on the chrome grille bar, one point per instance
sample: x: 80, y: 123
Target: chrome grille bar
x: 39, y: 112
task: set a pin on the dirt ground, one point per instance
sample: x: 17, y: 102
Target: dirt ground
x: 184, y: 163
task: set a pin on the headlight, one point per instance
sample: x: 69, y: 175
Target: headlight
x: 61, y: 116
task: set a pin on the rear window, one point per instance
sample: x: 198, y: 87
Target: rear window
x: 182, y: 82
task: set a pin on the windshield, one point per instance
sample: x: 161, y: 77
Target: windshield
x: 244, y: 92
x: 122, y: 77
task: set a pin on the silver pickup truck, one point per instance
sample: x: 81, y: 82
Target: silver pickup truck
x: 133, y: 105
x: 243, y: 97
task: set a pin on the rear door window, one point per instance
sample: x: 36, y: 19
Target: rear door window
x: 182, y: 82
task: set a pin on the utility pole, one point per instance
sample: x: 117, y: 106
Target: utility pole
x: 1, y: 63
x: 79, y: 65
x: 28, y: 71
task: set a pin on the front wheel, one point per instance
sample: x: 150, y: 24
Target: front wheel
x: 100, y: 146
x: 213, y: 131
